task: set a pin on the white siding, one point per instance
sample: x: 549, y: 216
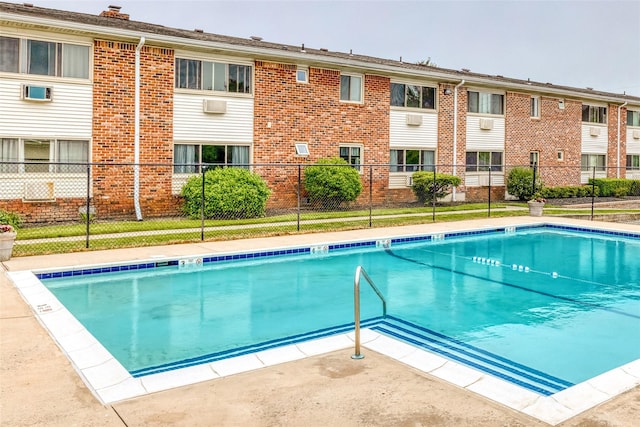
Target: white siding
x: 64, y: 185
x: 407, y: 136
x: 68, y: 115
x: 399, y: 179
x: 633, y: 144
x: 472, y: 179
x: 594, y: 144
x: 485, y: 140
x: 191, y: 123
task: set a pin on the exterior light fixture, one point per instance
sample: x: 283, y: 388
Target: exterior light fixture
x: 448, y: 91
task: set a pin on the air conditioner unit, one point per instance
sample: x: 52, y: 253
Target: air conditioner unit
x: 414, y: 119
x: 636, y: 134
x: 214, y: 106
x: 486, y: 124
x: 38, y: 191
x: 593, y: 131
x: 37, y: 93
x: 409, y: 182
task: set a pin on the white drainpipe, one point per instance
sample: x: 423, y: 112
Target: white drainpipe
x: 136, y: 137
x: 455, y: 132
x: 618, y: 153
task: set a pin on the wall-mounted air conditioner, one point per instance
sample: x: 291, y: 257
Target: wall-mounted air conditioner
x: 214, y: 106
x: 38, y: 191
x: 486, y: 124
x: 37, y: 93
x: 593, y: 131
x: 636, y: 134
x: 414, y: 119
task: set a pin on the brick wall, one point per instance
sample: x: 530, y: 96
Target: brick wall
x: 556, y: 129
x: 286, y: 112
x: 446, y: 130
x: 114, y: 128
x: 616, y: 168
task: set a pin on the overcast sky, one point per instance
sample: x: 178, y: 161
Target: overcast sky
x: 574, y: 43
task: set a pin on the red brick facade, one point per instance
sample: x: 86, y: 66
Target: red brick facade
x: 616, y: 170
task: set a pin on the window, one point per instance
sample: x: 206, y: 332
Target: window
x: 592, y: 114
x: 412, y: 160
x: 535, y: 106
x: 534, y: 158
x: 352, y: 154
x: 633, y: 162
x: 187, y: 157
x: 44, y: 58
x: 633, y: 118
x: 413, y: 96
x: 483, y: 161
x: 38, y: 154
x: 350, y: 88
x: 590, y: 161
x: 216, y: 76
x: 485, y: 103
x: 302, y: 75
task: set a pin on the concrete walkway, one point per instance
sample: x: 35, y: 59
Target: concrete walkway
x: 39, y: 386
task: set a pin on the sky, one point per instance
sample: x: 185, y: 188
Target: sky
x: 581, y: 44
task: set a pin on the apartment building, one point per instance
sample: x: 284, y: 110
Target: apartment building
x: 77, y: 88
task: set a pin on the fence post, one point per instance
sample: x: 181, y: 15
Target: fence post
x: 299, y: 189
x: 489, y: 198
x: 88, y: 205
x: 535, y: 170
x: 370, y: 194
x: 433, y: 196
x: 593, y: 191
x: 202, y: 205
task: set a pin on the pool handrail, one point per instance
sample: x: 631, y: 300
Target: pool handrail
x: 360, y: 271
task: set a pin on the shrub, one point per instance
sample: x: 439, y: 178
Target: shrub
x: 426, y: 185
x: 520, y: 183
x: 10, y: 218
x: 617, y: 187
x: 331, y: 182
x: 231, y: 193
x: 563, y: 192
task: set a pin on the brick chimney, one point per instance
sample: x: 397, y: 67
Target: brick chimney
x: 114, y: 12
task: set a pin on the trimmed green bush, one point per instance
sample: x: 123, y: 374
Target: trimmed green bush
x: 564, y: 192
x: 331, y: 182
x: 520, y: 183
x: 11, y: 218
x: 617, y: 187
x: 426, y: 185
x: 229, y: 193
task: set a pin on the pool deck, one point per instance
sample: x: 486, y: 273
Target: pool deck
x: 40, y: 386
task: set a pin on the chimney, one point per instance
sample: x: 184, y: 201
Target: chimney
x: 114, y: 12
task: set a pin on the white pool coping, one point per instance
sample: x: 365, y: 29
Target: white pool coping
x: 110, y: 382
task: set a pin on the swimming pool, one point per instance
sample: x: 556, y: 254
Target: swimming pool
x: 423, y: 252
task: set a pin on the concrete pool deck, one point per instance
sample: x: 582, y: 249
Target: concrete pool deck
x: 39, y: 386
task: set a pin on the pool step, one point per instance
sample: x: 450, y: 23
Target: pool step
x: 265, y: 345
x: 471, y: 356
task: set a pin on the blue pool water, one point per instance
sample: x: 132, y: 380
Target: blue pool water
x: 557, y: 305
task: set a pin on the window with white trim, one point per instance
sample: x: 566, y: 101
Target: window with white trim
x: 352, y: 154
x: 633, y: 162
x: 43, y: 155
x: 483, y: 161
x: 411, y: 160
x: 594, y: 114
x: 485, y: 103
x: 188, y: 157
x: 590, y: 161
x: 213, y: 76
x: 302, y: 75
x: 413, y: 96
x: 633, y: 118
x: 535, y: 107
x: 44, y: 58
x: 350, y: 88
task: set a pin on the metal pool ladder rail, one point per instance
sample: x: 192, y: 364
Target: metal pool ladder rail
x: 356, y: 305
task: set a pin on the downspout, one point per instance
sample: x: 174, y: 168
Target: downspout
x: 455, y: 132
x: 618, y: 152
x: 136, y: 137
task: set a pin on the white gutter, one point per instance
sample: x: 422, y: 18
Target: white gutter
x: 136, y: 137
x: 618, y: 152
x: 455, y: 132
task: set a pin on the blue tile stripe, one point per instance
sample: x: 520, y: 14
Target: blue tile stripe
x: 332, y: 247
x: 254, y: 348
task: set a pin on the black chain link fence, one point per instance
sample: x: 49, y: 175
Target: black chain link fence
x: 72, y: 207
